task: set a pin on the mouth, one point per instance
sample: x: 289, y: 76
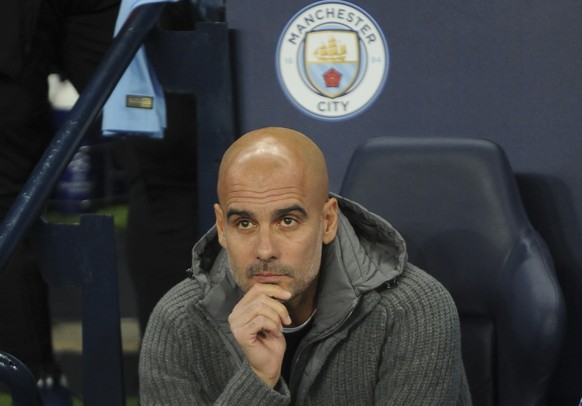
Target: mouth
x: 265, y: 272
x: 267, y: 278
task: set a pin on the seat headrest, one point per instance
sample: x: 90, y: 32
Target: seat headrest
x: 454, y: 200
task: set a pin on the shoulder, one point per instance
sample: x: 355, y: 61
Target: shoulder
x: 417, y: 296
x: 182, y: 294
x: 414, y: 283
x: 177, y: 325
x: 422, y: 343
x: 178, y: 305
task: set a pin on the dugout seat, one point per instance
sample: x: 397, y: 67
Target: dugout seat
x: 456, y: 203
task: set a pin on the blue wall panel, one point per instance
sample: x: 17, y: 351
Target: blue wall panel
x: 510, y: 71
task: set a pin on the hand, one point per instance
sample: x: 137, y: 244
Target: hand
x: 257, y: 324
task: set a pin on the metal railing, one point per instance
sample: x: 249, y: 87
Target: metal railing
x: 29, y: 204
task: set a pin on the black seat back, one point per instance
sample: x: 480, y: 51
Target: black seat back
x: 456, y: 203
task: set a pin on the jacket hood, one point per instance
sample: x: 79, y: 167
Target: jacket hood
x: 371, y: 251
x: 367, y: 254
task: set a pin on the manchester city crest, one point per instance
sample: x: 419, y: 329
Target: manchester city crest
x: 332, y: 60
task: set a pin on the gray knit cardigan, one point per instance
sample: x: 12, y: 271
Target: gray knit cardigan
x: 385, y: 333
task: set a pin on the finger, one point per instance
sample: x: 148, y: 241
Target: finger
x: 257, y: 329
x: 244, y: 314
x: 274, y: 291
x: 261, y: 327
x: 278, y: 294
x: 261, y: 306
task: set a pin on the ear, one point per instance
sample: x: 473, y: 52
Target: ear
x: 220, y: 225
x: 330, y: 220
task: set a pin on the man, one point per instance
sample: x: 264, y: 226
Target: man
x: 299, y: 297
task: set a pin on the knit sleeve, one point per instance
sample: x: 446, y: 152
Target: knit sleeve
x: 421, y: 362
x: 246, y: 388
x: 184, y: 362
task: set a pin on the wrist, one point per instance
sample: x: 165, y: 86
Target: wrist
x: 269, y: 380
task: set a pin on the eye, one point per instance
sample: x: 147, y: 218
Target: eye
x: 288, y: 222
x: 244, y: 224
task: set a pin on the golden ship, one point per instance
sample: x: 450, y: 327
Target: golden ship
x: 331, y: 52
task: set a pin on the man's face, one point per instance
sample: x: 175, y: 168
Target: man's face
x: 273, y: 226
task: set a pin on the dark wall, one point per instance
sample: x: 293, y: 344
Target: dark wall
x: 510, y: 71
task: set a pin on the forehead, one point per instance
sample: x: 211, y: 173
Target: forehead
x: 265, y: 186
x: 267, y: 176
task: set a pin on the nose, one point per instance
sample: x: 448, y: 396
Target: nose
x: 266, y: 245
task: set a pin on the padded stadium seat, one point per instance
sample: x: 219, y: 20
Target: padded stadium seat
x: 456, y: 204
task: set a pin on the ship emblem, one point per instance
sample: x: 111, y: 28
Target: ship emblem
x: 332, y: 60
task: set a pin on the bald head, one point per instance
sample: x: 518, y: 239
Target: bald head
x: 275, y: 215
x: 264, y: 154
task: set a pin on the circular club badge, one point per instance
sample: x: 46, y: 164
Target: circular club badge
x: 332, y: 60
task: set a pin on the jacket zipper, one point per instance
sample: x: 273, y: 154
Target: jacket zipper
x: 293, y: 384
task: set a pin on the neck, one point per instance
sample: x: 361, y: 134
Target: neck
x: 302, y: 306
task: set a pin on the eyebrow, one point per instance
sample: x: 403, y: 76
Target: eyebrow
x: 278, y: 213
x: 241, y: 213
x: 294, y: 208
